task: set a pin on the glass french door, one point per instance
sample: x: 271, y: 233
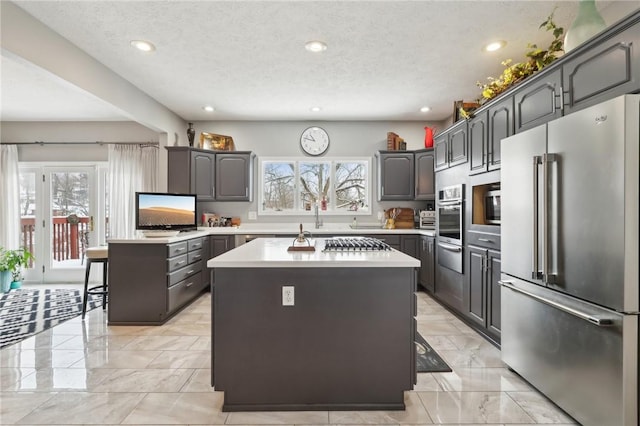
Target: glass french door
x: 62, y: 213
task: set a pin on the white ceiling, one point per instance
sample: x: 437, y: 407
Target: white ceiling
x: 385, y: 59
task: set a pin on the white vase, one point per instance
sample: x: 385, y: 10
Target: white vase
x: 587, y: 24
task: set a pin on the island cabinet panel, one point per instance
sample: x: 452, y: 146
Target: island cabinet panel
x: 603, y: 71
x: 149, y: 283
x: 539, y: 101
x: 346, y: 344
x: 409, y: 245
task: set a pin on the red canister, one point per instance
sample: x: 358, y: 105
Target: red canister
x: 428, y: 137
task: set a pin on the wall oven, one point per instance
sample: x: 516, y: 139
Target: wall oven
x: 449, y: 224
x: 450, y: 214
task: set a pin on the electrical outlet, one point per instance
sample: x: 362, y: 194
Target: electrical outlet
x: 288, y: 295
x: 253, y: 216
x: 379, y: 215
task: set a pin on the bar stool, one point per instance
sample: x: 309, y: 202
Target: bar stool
x: 96, y: 255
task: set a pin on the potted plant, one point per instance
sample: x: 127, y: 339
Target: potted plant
x: 11, y: 264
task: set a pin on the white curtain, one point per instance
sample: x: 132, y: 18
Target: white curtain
x: 132, y: 168
x: 9, y: 197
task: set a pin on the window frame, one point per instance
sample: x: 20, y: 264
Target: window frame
x: 298, y: 210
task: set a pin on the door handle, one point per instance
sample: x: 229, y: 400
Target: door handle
x: 450, y: 247
x: 600, y: 322
x: 535, y: 274
x: 546, y: 276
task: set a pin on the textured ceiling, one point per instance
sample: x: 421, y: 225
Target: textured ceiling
x: 385, y: 59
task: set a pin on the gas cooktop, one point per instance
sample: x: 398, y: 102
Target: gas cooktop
x: 355, y: 244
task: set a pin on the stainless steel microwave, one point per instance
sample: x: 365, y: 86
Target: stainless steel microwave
x: 492, y: 207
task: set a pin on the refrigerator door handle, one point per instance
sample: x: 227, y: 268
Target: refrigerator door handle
x: 600, y: 322
x: 546, y: 256
x: 535, y: 273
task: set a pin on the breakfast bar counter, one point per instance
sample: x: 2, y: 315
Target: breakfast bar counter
x: 312, y: 330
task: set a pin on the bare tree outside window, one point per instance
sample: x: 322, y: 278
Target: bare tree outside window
x: 351, y: 191
x: 314, y: 183
x: 278, y: 186
x: 70, y: 193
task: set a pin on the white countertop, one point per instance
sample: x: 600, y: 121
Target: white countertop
x: 273, y: 229
x: 272, y: 253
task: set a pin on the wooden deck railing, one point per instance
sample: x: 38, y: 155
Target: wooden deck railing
x: 68, y: 239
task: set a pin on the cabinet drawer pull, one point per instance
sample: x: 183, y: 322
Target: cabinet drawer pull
x: 187, y: 285
x: 182, y: 262
x: 191, y: 271
x: 485, y: 240
x: 180, y: 249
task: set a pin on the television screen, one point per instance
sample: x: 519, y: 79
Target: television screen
x: 165, y: 211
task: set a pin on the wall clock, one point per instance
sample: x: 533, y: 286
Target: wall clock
x: 314, y: 141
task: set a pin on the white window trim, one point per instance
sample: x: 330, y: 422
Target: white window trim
x: 301, y: 212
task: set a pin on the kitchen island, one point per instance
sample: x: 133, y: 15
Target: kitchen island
x: 312, y: 330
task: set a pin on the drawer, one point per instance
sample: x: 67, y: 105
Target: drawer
x: 195, y: 244
x: 177, y: 249
x: 181, y: 274
x: 175, y: 263
x: 483, y: 239
x: 195, y: 256
x: 184, y: 291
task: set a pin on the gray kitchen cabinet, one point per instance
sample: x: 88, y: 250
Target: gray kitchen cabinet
x: 482, y: 291
x: 211, y: 175
x: 603, y: 69
x: 221, y: 244
x: 450, y: 147
x: 425, y: 177
x: 395, y: 175
x: 427, y: 262
x: 149, y: 283
x: 539, y: 101
x: 478, y: 133
x: 191, y: 171
x: 409, y: 244
x: 500, y: 126
x: 234, y: 176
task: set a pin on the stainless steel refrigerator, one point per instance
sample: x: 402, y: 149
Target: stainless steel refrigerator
x: 570, y: 297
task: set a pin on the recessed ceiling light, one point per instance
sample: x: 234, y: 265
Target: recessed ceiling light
x: 315, y: 46
x: 208, y: 108
x: 143, y: 45
x: 495, y: 45
x: 425, y: 109
x: 315, y: 109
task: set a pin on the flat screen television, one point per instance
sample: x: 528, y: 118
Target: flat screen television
x: 168, y: 212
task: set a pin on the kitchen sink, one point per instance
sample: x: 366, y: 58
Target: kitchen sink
x: 366, y: 226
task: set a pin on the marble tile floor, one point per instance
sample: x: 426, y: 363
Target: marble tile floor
x: 91, y: 373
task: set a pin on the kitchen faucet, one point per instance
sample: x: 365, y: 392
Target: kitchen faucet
x: 317, y: 214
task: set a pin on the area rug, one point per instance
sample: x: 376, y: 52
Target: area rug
x: 25, y: 312
x: 427, y: 360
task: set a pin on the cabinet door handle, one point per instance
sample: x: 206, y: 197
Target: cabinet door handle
x: 246, y: 191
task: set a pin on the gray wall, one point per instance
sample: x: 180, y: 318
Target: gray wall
x: 282, y: 138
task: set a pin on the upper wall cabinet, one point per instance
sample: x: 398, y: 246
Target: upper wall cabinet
x: 211, y: 175
x: 539, y: 101
x: 425, y: 178
x: 603, y: 70
x: 451, y: 146
x: 395, y: 175
x: 192, y: 171
x: 234, y: 176
x: 478, y: 133
x: 500, y: 127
